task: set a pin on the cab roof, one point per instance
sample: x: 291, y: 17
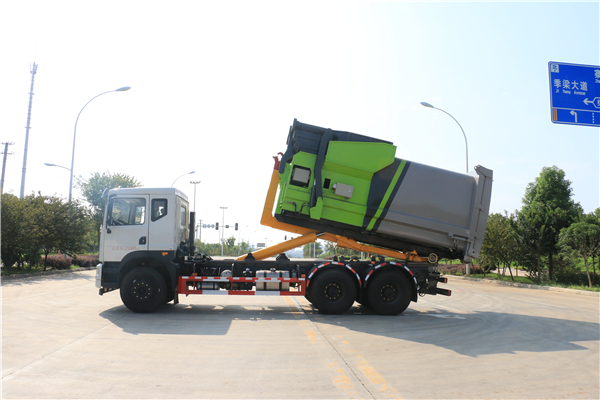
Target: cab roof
x: 148, y: 191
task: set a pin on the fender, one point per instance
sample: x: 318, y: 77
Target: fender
x: 331, y: 264
x: 400, y: 267
x: 164, y: 261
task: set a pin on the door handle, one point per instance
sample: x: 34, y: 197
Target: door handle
x: 143, y: 240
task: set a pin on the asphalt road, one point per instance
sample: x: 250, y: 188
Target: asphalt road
x: 60, y: 340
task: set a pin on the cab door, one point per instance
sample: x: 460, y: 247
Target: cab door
x: 126, y: 226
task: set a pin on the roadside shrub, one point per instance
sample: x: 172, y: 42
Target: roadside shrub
x: 459, y: 269
x: 58, y: 262
x: 86, y: 261
x: 575, y: 278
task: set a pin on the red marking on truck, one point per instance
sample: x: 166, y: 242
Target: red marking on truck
x: 185, y: 289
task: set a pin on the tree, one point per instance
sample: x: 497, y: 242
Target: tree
x: 309, y: 249
x: 332, y: 249
x: 62, y: 226
x: 583, y: 239
x: 93, y: 188
x: 212, y: 249
x: 40, y: 224
x: 17, y: 225
x: 594, y: 219
x: 499, y: 244
x: 229, y: 242
x: 243, y: 248
x: 547, y: 208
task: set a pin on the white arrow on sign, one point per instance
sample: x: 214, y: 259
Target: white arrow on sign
x: 575, y: 114
x: 595, y: 102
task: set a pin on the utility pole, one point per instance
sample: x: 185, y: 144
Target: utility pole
x: 222, y: 228
x: 33, y: 71
x: 6, y: 153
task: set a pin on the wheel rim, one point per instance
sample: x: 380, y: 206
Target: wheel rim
x: 333, y: 291
x: 142, y: 290
x: 389, y: 292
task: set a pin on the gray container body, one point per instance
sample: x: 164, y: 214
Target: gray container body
x: 440, y: 208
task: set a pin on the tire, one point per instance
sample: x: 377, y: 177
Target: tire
x: 143, y: 290
x: 389, y: 292
x: 308, y: 297
x: 170, y: 296
x: 334, y: 292
x: 364, y: 301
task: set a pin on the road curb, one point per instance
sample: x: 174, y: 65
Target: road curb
x: 45, y: 273
x: 526, y: 285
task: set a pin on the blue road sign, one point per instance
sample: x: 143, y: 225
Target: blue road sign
x: 574, y: 93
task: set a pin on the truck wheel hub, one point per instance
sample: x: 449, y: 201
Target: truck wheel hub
x: 388, y: 292
x: 333, y: 291
x: 142, y: 290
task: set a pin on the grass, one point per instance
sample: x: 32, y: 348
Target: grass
x: 6, y: 271
x: 54, y: 262
x: 526, y: 280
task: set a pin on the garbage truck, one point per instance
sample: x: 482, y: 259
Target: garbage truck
x: 338, y: 186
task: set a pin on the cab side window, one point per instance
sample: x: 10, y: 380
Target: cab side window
x: 183, y: 213
x: 127, y: 211
x: 159, y: 209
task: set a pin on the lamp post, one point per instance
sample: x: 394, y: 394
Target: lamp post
x: 123, y: 89
x: 222, y: 228
x: 54, y: 165
x: 188, y: 173
x: 424, y: 104
x: 59, y: 166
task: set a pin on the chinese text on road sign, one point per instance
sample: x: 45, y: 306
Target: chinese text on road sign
x: 574, y: 93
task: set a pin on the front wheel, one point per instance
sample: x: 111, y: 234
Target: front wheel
x: 143, y: 290
x: 389, y: 292
x: 333, y: 292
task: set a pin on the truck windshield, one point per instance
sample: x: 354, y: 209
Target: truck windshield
x: 130, y: 211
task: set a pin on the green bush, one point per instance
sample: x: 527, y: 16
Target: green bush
x: 459, y: 269
x: 58, y: 262
x: 579, y: 278
x: 86, y: 261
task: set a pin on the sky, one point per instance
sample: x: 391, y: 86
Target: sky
x: 215, y: 86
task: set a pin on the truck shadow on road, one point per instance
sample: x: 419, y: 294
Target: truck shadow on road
x: 470, y: 334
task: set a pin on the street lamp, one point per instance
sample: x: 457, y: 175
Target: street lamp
x: 123, y: 89
x: 188, y: 173
x: 424, y: 104
x: 54, y: 165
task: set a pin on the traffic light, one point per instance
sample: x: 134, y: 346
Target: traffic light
x: 285, y: 237
x: 236, y: 226
x: 217, y: 226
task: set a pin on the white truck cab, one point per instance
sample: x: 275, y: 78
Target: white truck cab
x: 141, y: 227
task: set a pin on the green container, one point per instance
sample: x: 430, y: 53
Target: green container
x: 353, y: 185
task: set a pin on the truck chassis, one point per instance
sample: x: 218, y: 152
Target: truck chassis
x: 332, y: 287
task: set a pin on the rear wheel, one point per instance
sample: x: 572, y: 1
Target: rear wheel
x: 333, y: 292
x: 389, y: 292
x: 143, y: 290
